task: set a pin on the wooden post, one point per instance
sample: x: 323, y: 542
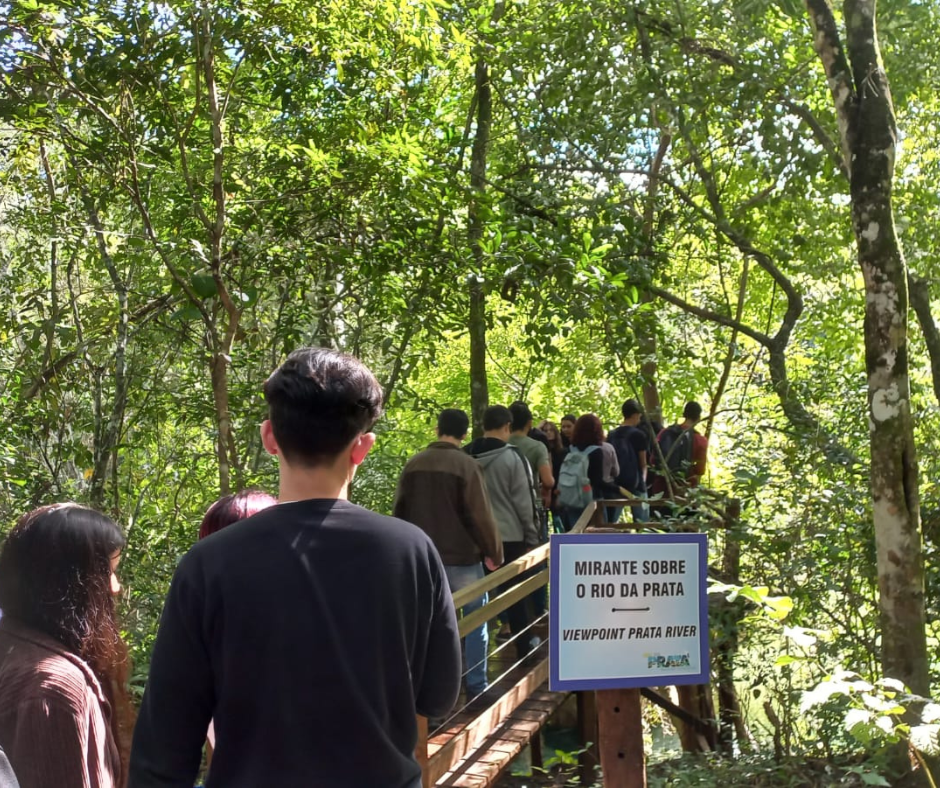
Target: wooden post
x: 620, y: 720
x: 587, y: 734
x: 421, y: 751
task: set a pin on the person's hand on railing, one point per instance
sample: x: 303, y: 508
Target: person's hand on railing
x: 490, y: 564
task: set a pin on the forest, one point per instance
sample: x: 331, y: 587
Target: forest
x: 568, y: 202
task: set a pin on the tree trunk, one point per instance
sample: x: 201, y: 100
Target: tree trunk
x: 221, y: 347
x: 479, y: 388
x: 867, y: 125
x: 646, y: 321
x: 225, y: 439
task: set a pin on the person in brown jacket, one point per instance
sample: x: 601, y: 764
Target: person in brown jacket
x: 62, y: 662
x: 442, y: 491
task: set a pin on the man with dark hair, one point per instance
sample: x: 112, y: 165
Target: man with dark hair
x: 442, y: 491
x: 692, y: 415
x: 509, y: 487
x: 684, y: 451
x: 313, y: 631
x: 631, y: 446
x: 535, y: 452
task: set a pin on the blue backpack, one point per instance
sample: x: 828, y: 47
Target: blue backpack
x: 574, y: 486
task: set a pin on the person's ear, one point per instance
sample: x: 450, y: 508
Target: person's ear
x: 267, y: 438
x: 361, y: 446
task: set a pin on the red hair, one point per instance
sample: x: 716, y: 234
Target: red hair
x: 232, y: 508
x: 588, y: 431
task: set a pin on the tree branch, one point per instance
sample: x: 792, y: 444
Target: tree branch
x: 828, y: 46
x: 920, y: 302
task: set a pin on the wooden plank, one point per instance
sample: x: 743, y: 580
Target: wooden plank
x: 502, y: 575
x: 461, y: 744
x: 503, y: 602
x: 620, y: 723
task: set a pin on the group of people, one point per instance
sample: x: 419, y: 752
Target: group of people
x: 301, y: 641
x: 492, y: 499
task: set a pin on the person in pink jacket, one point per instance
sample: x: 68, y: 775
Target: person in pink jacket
x: 63, y: 665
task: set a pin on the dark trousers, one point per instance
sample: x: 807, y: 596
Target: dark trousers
x: 518, y: 614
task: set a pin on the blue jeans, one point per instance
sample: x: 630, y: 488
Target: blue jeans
x: 476, y: 641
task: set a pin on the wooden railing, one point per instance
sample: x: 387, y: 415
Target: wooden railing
x: 438, y: 759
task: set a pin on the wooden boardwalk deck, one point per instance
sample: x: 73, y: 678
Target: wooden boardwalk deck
x: 479, y: 741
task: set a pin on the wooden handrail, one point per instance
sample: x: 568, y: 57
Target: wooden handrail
x: 500, y: 576
x: 503, y: 602
x: 517, y: 567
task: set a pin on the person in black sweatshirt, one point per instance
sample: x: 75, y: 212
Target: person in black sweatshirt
x: 312, y: 632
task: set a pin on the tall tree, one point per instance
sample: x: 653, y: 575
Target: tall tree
x: 868, y: 134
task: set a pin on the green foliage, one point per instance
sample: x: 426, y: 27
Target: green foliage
x: 341, y: 149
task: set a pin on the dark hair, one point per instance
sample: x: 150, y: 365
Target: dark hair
x: 692, y: 410
x: 232, y: 508
x: 630, y: 408
x: 496, y: 417
x: 554, y: 444
x: 319, y: 400
x: 453, y: 422
x: 588, y: 431
x: 570, y: 417
x: 55, y: 577
x: 521, y: 415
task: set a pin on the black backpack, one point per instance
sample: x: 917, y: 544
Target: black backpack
x: 675, y: 444
x: 629, y: 476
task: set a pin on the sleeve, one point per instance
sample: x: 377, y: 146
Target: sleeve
x: 63, y: 730
x: 398, y: 510
x: 480, y: 522
x: 440, y: 682
x: 521, y: 494
x: 179, y: 698
x: 545, y: 468
x: 596, y: 472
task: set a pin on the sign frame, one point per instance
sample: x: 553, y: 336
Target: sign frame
x: 558, y: 541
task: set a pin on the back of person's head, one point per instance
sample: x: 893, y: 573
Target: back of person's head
x: 692, y: 411
x: 495, y: 417
x: 453, y: 423
x: 521, y: 415
x: 55, y: 577
x: 588, y: 431
x: 319, y: 401
x: 630, y: 408
x: 230, y: 509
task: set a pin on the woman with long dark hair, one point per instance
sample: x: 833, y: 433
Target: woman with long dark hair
x: 587, y: 437
x: 63, y: 665
x: 557, y: 451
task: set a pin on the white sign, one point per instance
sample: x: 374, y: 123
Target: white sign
x: 628, y: 610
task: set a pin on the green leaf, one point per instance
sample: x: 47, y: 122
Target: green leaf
x: 188, y: 312
x: 204, y: 285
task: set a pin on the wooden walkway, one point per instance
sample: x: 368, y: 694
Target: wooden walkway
x: 475, y: 745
